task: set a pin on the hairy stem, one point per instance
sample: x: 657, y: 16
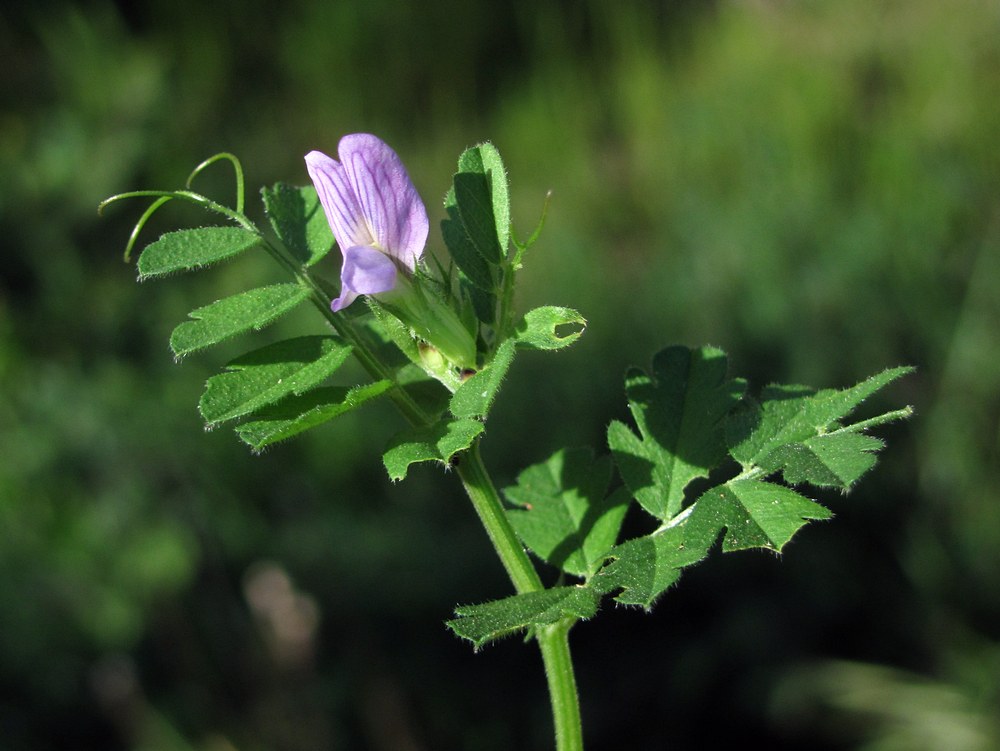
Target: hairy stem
x: 552, y: 640
x: 554, y: 643
x: 486, y: 501
x: 321, y: 300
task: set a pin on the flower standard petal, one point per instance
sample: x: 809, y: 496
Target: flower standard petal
x: 375, y: 213
x: 340, y: 204
x: 391, y: 206
x: 366, y: 271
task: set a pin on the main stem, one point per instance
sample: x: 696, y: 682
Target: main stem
x: 554, y: 643
x: 553, y: 640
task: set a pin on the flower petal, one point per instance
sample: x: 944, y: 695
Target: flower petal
x: 366, y: 271
x: 396, y: 217
x: 340, y: 204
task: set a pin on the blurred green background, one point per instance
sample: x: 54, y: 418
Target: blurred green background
x: 814, y: 187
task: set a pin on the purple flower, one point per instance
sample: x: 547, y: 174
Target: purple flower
x: 375, y: 213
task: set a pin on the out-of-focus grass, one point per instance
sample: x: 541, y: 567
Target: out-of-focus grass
x: 813, y: 187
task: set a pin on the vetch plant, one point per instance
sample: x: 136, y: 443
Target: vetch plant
x: 705, y: 460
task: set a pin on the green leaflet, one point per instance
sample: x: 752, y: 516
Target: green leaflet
x: 478, y: 278
x: 475, y: 396
x: 296, y: 414
x: 484, y: 623
x: 298, y: 220
x: 483, y: 201
x: 266, y: 375
x: 829, y: 460
x: 538, y: 328
x: 191, y: 249
x: 645, y: 567
x: 679, y: 412
x: 563, y: 514
x: 477, y: 228
x: 439, y: 442
x: 476, y: 268
x: 754, y: 514
x: 746, y: 513
x: 234, y: 315
x: 797, y: 431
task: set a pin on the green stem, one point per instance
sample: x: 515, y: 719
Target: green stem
x: 321, y: 299
x: 506, y: 302
x: 554, y: 643
x: 488, y: 505
x: 552, y: 640
x: 412, y: 411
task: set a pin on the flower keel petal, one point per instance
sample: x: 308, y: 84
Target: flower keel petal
x: 366, y: 271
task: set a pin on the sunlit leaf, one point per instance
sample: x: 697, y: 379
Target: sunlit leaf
x: 295, y: 414
x: 645, y: 567
x: 829, y: 460
x: 478, y: 278
x: 267, y: 375
x: 483, y: 202
x: 798, y: 431
x: 541, y: 328
x: 234, y: 315
x: 474, y: 397
x: 190, y: 249
x: 477, y: 269
x: 753, y: 513
x: 679, y: 412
